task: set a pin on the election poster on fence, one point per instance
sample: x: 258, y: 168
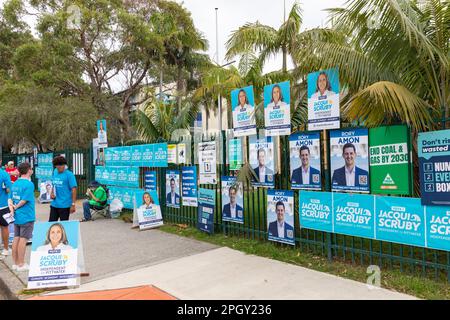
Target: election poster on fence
x: 438, y: 227
x: 323, y: 100
x: 262, y: 161
x: 55, y: 255
x: 304, y: 150
x: 232, y: 200
x: 315, y: 210
x: 235, y: 154
x: 45, y: 191
x: 189, y: 186
x: 172, y: 153
x: 207, y: 162
x: 277, y: 109
x: 206, y: 207
x: 400, y: 220
x: 149, y: 213
x: 349, y: 157
x: 390, y: 160
x: 434, y: 167
x: 243, y: 107
x: 280, y: 216
x: 353, y: 214
x: 150, y: 183
x: 173, y: 198
x: 101, y: 134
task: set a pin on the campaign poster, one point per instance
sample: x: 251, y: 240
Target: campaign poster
x: 400, y: 220
x: 232, y: 200
x: 316, y: 210
x: 243, y: 107
x: 101, y: 134
x: 434, y: 167
x: 390, y: 160
x: 159, y: 155
x: 280, y: 216
x: 354, y: 214
x: 207, y: 162
x: 189, y: 186
x: 45, y: 191
x: 323, y: 100
x: 277, y: 109
x: 349, y: 158
x: 262, y: 161
x: 136, y: 156
x: 133, y: 177
x: 182, y: 154
x: 150, y: 183
x: 149, y: 212
x: 54, y: 255
x: 206, y: 208
x: 172, y: 153
x: 438, y: 227
x: 235, y: 154
x: 304, y: 150
x: 173, y: 198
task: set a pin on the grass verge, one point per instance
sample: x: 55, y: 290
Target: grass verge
x: 390, y: 279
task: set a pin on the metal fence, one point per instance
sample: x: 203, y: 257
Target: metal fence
x: 358, y: 251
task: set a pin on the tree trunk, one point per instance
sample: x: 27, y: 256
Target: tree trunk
x: 284, y: 59
x: 180, y: 86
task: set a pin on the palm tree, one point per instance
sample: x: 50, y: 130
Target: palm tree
x: 158, y: 120
x: 393, y: 59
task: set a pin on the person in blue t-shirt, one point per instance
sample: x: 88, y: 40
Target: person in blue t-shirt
x: 5, y: 188
x: 22, y: 205
x: 64, y: 192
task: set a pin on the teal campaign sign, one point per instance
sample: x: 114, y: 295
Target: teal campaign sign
x: 353, y: 214
x: 150, y: 155
x: 118, y: 176
x: 126, y: 196
x: 400, y: 220
x: 206, y: 207
x: 316, y: 211
x: 438, y: 227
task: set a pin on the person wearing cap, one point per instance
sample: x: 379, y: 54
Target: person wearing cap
x: 64, y: 192
x: 97, y: 200
x: 12, y: 171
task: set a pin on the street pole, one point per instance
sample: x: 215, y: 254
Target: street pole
x: 219, y: 98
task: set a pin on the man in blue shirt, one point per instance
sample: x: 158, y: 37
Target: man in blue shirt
x: 64, y: 192
x: 5, y: 188
x: 21, y: 203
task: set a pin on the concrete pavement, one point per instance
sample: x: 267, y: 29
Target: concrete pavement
x: 117, y: 256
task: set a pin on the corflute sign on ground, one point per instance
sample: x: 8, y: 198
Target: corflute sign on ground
x: 390, y: 161
x: 434, y: 166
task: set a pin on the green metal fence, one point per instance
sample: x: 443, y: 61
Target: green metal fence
x: 358, y: 251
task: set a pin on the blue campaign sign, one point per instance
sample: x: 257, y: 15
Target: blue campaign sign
x: 136, y: 156
x: 438, y: 227
x: 125, y: 156
x: 243, y: 108
x: 304, y: 150
x: 316, y: 210
x: 41, y: 233
x: 280, y: 216
x: 349, y: 158
x: 434, y: 167
x: 189, y: 186
x: 206, y: 206
x: 160, y: 155
x: 400, y: 220
x: 45, y: 159
x: 99, y: 174
x: 150, y: 183
x: 115, y: 158
x: 354, y: 214
x: 277, y: 109
x: 147, y: 155
x: 133, y: 177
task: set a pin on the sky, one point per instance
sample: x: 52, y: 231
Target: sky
x: 234, y: 13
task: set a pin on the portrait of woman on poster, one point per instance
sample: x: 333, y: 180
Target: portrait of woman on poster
x: 243, y: 104
x: 277, y: 101
x: 147, y: 201
x: 323, y: 88
x: 56, y: 239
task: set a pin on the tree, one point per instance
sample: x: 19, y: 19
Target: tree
x: 393, y: 58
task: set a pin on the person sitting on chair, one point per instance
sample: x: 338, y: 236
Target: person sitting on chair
x: 97, y: 200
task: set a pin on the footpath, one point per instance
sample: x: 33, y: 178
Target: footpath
x: 117, y: 256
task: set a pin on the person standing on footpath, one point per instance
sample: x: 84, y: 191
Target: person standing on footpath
x: 64, y: 192
x: 12, y: 171
x: 5, y: 189
x: 22, y: 205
